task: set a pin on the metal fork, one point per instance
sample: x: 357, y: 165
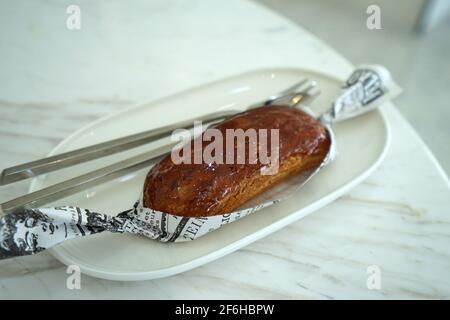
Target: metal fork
x: 302, y: 93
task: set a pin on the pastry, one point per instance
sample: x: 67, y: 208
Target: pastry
x: 210, y: 188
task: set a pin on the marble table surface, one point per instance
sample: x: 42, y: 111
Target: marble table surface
x: 55, y: 80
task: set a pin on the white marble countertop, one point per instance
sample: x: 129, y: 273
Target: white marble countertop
x: 56, y: 80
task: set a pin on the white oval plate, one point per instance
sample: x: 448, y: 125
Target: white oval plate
x: 362, y: 143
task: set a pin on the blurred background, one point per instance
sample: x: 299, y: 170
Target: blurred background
x: 413, y: 42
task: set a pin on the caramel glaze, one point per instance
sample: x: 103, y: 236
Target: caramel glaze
x: 208, y: 189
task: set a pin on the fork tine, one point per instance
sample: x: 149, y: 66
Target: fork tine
x: 287, y: 92
x: 295, y: 94
x: 309, y: 97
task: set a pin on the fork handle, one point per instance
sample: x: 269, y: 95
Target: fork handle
x: 67, y: 159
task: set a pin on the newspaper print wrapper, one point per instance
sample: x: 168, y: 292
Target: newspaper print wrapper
x: 33, y: 230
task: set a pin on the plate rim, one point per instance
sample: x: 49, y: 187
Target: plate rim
x: 234, y: 246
